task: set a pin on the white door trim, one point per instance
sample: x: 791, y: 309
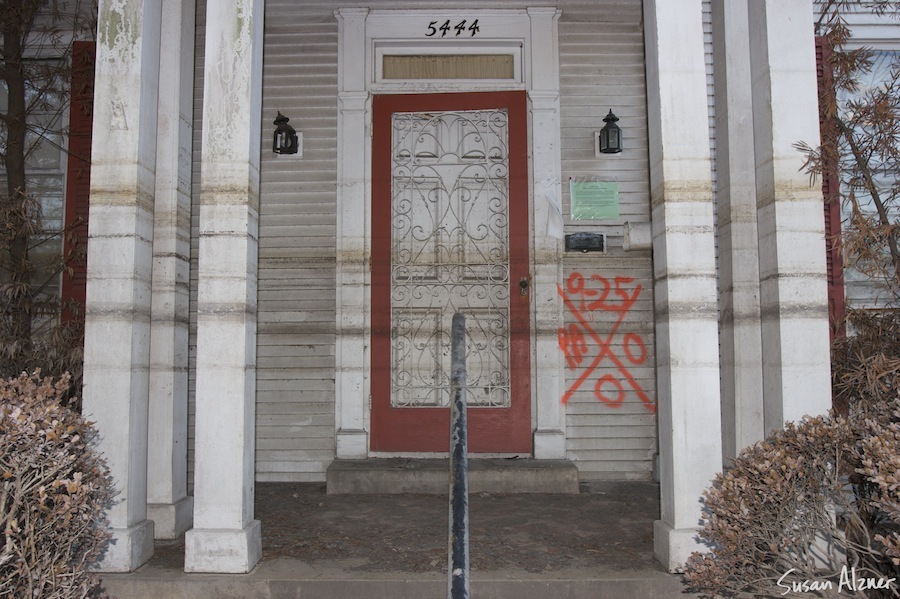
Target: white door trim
x: 363, y: 37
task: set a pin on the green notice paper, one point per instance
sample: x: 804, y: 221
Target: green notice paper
x: 594, y: 200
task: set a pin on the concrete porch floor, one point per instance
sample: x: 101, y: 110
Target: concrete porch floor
x: 597, y: 543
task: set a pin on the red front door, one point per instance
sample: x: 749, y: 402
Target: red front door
x: 450, y: 233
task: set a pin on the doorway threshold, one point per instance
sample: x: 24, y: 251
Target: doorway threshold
x: 431, y: 476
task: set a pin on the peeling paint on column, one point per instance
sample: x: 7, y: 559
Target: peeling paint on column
x: 118, y: 122
x: 230, y: 97
x: 120, y: 40
x: 118, y: 27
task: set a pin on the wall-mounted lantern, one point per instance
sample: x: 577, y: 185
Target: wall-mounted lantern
x: 609, y: 139
x: 285, y: 140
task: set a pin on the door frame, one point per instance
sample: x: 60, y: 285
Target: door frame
x: 362, y: 33
x: 491, y: 430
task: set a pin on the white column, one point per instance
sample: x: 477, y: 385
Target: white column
x: 169, y: 505
x: 550, y: 432
x: 117, y: 318
x: 741, y: 344
x: 687, y: 354
x: 793, y: 283
x: 226, y: 537
x: 353, y: 252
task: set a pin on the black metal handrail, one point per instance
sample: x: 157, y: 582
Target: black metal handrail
x: 458, y: 545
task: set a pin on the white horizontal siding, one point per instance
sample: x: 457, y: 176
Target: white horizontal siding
x: 601, y: 52
x: 602, y: 68
x: 296, y: 292
x: 604, y: 438
x: 711, y: 107
x: 199, y: 53
x: 296, y: 318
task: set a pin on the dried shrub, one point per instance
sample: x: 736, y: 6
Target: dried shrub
x: 865, y: 364
x: 55, y: 347
x: 821, y: 497
x: 880, y: 459
x: 811, y: 503
x: 54, y: 488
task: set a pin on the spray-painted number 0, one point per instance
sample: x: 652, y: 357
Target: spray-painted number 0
x: 446, y: 28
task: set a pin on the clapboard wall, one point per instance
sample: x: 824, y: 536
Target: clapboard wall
x: 296, y: 297
x: 610, y: 435
x: 601, y: 54
x: 200, y: 40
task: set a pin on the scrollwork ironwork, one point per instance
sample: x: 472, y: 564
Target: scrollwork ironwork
x: 450, y: 252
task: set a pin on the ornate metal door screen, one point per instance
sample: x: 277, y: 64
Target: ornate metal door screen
x: 449, y: 252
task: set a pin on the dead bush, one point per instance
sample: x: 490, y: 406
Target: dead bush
x: 806, y: 510
x: 54, y: 488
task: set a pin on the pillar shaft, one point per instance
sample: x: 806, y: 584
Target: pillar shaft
x: 687, y: 355
x: 169, y: 506
x: 226, y: 537
x: 353, y: 250
x: 741, y: 344
x: 793, y: 280
x: 549, y: 380
x: 117, y: 314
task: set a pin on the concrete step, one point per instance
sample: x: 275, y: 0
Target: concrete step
x: 431, y: 476
x: 291, y: 579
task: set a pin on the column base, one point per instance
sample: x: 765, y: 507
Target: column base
x: 549, y: 445
x: 128, y: 549
x: 352, y: 444
x: 171, y: 520
x: 223, y: 551
x: 673, y: 546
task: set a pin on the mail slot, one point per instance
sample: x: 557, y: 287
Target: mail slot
x: 584, y: 242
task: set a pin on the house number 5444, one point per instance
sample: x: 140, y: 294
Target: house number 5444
x: 455, y: 30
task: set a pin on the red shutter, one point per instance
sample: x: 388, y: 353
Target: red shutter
x: 831, y: 190
x: 78, y: 179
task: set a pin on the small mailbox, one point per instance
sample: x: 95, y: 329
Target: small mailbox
x: 584, y: 242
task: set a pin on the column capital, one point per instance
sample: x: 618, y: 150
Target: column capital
x: 543, y: 100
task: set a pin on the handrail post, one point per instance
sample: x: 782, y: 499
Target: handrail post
x: 458, y: 550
